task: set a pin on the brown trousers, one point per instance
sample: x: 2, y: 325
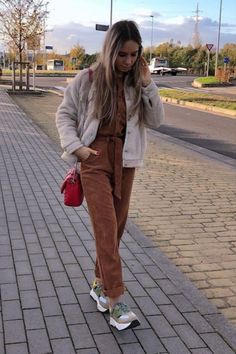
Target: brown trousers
x: 101, y: 177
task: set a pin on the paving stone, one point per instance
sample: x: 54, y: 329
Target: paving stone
x: 19, y: 348
x: 60, y: 279
x: 168, y: 287
x: 20, y: 255
x: 150, y: 342
x: 158, y: 296
x: 105, y: 342
x: 161, y: 326
x: 147, y: 306
x: 87, y: 351
x: 175, y: 346
x: 123, y: 337
x: 125, y: 253
x: 172, y: 314
x: 97, y: 323
x: 14, y: 332
x: 26, y: 282
x: 86, y: 263
x: 56, y: 327
x: 45, y: 288
x: 41, y: 273
x: 37, y: 260
x: 132, y: 348
x: 74, y: 270
x: 201, y: 351
x: 11, y: 310
x: 189, y: 336
x: 133, y: 246
x: 38, y: 341
x: 144, y: 259
x: 34, y: 247
x: 50, y: 306
x: 127, y: 275
x: 198, y: 322
x: 181, y: 303
x: 135, y: 289
x: 80, y: 285
x: 63, y: 346
x: 68, y: 258
x: 135, y: 266
x: 73, y: 314
x: 29, y: 299
x: 55, y: 265
x: 50, y: 252
x: 145, y: 280
x: 7, y: 276
x: 216, y: 343
x: 33, y: 319
x: 86, y: 303
x: 81, y: 336
x: 9, y: 292
x: 66, y: 296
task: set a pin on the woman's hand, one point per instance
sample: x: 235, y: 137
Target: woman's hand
x: 144, y: 72
x: 84, y: 152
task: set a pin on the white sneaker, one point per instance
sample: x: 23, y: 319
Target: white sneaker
x: 97, y: 294
x: 122, y: 317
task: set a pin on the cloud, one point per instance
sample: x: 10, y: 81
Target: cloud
x: 64, y: 37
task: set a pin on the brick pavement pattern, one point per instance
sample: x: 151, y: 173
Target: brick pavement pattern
x: 46, y: 267
x: 186, y: 202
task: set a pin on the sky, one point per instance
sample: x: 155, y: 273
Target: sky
x: 72, y: 22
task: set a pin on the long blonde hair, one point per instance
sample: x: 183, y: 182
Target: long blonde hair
x: 104, y: 77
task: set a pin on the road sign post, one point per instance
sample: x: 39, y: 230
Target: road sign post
x: 226, y: 62
x: 209, y: 47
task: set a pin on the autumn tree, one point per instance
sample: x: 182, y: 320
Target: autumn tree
x: 22, y: 21
x: 229, y: 50
x: 77, y: 54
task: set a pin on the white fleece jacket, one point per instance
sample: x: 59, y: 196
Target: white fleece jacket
x: 77, y: 127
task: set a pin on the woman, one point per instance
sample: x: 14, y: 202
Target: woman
x: 101, y: 123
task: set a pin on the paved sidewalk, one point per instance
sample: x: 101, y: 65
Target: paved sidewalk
x: 47, y: 260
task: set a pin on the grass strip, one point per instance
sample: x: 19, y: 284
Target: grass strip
x: 202, y: 98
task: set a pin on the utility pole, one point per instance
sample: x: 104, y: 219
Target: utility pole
x: 150, y: 57
x: 196, y: 35
x: 218, y: 39
x: 111, y: 8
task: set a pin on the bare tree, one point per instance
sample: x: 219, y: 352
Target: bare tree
x: 22, y: 21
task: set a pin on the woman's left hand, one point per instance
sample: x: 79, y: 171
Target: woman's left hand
x: 144, y: 72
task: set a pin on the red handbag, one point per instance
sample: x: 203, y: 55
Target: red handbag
x: 72, y: 188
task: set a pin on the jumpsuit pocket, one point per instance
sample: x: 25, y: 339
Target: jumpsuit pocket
x: 91, y: 158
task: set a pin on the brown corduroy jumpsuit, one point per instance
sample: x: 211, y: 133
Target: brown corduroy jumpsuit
x: 107, y: 188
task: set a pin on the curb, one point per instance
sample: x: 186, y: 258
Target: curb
x: 208, y: 310
x: 198, y: 106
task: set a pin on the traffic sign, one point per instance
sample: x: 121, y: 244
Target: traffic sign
x: 226, y: 60
x: 209, y: 46
x: 101, y: 27
x: 48, y: 47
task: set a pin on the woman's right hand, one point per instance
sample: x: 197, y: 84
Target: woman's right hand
x: 84, y: 152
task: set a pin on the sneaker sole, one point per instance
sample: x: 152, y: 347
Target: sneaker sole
x: 99, y: 306
x: 122, y: 326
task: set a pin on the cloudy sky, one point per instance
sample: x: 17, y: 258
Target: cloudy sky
x: 74, y: 22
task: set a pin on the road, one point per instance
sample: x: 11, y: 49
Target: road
x: 208, y: 130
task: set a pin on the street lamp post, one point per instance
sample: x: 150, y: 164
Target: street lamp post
x: 218, y: 39
x: 150, y: 58
x: 111, y: 13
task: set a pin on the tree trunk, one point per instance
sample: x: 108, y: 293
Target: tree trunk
x: 21, y: 73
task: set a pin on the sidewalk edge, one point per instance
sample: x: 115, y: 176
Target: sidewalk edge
x: 208, y: 310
